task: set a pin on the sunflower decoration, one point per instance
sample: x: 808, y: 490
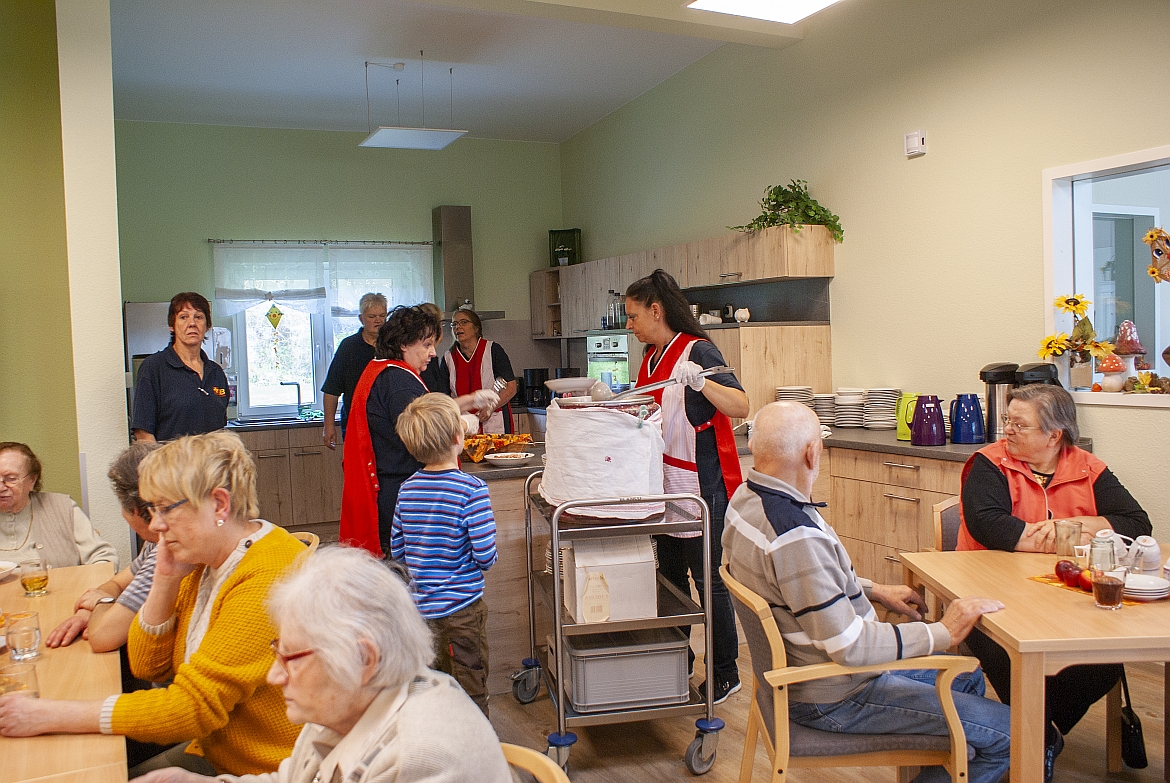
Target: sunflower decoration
x: 1053, y: 345
x: 1099, y: 350
x: 1159, y: 242
x: 1076, y: 305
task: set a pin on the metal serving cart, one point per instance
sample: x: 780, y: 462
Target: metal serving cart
x: 674, y: 609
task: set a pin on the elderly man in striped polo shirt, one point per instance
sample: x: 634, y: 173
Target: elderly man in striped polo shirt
x: 776, y: 543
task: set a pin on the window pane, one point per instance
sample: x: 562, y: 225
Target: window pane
x: 281, y: 354
x: 344, y: 326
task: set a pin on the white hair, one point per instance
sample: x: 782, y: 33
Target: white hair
x: 342, y: 595
x: 784, y: 430
x: 369, y: 300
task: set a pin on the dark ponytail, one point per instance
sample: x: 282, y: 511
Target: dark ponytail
x: 659, y: 287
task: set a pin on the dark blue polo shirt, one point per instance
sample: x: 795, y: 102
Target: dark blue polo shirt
x: 170, y: 399
x: 349, y: 362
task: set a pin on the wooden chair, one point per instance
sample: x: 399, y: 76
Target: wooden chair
x: 791, y: 745
x: 311, y: 540
x: 540, y: 766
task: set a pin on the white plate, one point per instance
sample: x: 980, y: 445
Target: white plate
x: 1145, y: 598
x: 6, y: 568
x: 1147, y: 584
x: 509, y: 459
x: 571, y: 385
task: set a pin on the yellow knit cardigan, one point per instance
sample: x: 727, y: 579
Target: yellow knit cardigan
x: 221, y: 699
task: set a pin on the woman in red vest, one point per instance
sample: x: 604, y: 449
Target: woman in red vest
x: 700, y: 456
x: 1013, y: 491
x: 474, y: 363
x: 376, y: 461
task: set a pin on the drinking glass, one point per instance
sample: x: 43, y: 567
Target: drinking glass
x: 34, y: 577
x: 19, y: 678
x: 1068, y: 536
x: 23, y: 635
x: 1108, y: 587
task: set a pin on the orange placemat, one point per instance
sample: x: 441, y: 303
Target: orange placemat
x: 1050, y: 579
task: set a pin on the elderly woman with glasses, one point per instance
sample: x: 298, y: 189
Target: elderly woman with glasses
x: 203, y: 626
x: 352, y: 661
x: 1014, y: 490
x: 41, y: 524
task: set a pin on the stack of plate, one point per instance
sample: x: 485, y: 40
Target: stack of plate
x: 849, y: 408
x: 1141, y: 587
x: 801, y: 394
x: 825, y: 407
x: 881, y: 409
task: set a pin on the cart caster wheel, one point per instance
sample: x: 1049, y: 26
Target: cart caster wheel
x: 526, y: 685
x: 694, y: 758
x: 553, y: 753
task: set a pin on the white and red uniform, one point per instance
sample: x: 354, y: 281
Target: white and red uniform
x: 680, y: 473
x: 471, y: 375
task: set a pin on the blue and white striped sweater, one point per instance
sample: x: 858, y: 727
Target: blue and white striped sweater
x: 445, y: 533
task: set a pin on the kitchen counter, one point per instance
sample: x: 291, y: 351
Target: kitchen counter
x: 737, y: 325
x: 489, y: 472
x: 886, y: 442
x: 235, y: 425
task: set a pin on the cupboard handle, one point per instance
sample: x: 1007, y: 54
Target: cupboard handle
x: 731, y: 274
x: 305, y: 453
x: 271, y: 456
x: 901, y: 497
x: 900, y: 465
x: 893, y: 559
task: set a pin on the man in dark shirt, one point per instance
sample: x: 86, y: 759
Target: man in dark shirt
x: 349, y: 361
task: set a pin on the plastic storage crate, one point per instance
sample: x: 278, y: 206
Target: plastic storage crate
x: 627, y: 670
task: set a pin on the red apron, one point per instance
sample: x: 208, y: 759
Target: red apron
x: 359, y: 495
x: 471, y: 375
x: 680, y: 471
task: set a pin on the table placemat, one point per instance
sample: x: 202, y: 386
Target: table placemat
x: 1051, y: 579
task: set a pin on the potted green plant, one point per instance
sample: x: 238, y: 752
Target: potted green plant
x: 793, y: 206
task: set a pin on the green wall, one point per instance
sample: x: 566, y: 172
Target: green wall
x: 179, y: 185
x: 942, y: 266
x: 36, y: 351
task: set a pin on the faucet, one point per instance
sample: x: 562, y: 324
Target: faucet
x: 298, y: 385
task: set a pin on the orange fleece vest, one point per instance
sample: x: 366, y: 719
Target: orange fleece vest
x: 1069, y: 493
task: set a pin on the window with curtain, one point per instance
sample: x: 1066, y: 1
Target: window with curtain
x: 292, y: 303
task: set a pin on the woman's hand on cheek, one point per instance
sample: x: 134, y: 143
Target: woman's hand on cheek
x: 166, y: 566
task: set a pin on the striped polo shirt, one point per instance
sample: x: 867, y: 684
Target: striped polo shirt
x: 445, y: 532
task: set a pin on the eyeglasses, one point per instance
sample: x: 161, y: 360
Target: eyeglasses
x: 1010, y: 422
x: 13, y: 481
x: 284, y: 659
x: 464, y: 322
x: 162, y: 511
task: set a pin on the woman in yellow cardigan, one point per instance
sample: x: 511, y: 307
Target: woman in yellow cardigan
x: 204, y: 624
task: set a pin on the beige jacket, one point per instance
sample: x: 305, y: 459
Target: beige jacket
x: 438, y: 735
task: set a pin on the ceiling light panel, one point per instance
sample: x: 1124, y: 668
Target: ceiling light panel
x: 784, y: 11
x: 412, y: 138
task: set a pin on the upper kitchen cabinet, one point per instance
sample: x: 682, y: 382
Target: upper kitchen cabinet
x: 575, y: 300
x: 544, y: 301
x: 762, y: 255
x: 672, y: 259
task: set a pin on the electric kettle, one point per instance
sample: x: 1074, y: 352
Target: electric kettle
x: 928, y: 429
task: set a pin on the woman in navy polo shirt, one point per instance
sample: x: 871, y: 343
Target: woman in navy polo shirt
x: 180, y: 391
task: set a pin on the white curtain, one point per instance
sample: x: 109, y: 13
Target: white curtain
x: 291, y: 276
x: 402, y: 273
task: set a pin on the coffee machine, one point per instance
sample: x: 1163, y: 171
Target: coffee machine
x: 1000, y: 379
x: 536, y: 393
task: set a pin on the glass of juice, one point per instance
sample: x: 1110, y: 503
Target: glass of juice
x: 1107, y: 588
x: 34, y: 577
x: 19, y: 678
x: 23, y: 634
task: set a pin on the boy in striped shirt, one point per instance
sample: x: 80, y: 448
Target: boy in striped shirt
x: 445, y: 533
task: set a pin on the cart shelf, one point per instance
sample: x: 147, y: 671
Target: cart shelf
x: 673, y: 609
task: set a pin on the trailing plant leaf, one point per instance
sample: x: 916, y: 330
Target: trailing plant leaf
x: 793, y: 206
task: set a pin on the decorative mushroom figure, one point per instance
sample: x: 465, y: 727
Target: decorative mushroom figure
x: 1128, y: 346
x: 1114, y: 372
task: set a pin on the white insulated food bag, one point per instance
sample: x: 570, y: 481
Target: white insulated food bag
x: 598, y: 453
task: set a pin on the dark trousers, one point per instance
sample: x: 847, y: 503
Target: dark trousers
x: 461, y: 649
x: 679, y: 556
x: 1068, y: 694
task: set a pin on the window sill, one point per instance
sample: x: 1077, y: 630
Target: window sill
x: 1122, y: 400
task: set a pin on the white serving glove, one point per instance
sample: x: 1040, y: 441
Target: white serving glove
x: 470, y: 423
x: 485, y: 399
x: 688, y: 373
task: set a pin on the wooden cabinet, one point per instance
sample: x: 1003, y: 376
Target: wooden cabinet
x: 884, y: 504
x: 544, y: 302
x: 765, y: 357
x: 762, y: 255
x: 575, y: 301
x: 672, y: 259
x: 298, y: 480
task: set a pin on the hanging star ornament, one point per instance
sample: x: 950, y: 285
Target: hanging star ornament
x: 274, y: 315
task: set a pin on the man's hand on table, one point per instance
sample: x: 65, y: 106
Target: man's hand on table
x: 900, y: 599
x: 171, y: 775
x: 76, y: 625
x: 963, y: 613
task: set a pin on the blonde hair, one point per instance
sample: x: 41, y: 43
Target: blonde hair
x: 369, y: 300
x: 429, y: 427
x: 189, y: 468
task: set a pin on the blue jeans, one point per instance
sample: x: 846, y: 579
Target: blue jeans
x: 905, y: 702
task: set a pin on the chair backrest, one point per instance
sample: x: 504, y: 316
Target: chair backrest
x: 765, y: 645
x: 540, y: 766
x: 946, y: 525
x: 311, y: 540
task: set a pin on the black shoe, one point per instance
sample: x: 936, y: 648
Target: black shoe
x: 724, y: 688
x: 1053, y: 745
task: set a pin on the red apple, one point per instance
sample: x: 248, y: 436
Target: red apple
x: 1071, y: 575
x: 1086, y: 581
x: 1062, y: 566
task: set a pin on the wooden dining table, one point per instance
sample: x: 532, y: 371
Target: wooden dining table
x: 1043, y: 628
x: 73, y: 672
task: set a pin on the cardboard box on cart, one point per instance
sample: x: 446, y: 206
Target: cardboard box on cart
x: 627, y: 565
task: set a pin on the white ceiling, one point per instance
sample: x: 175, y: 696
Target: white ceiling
x: 538, y: 70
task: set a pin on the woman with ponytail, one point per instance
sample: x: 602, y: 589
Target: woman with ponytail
x: 700, y: 457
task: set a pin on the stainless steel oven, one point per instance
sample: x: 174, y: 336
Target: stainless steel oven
x: 613, y: 356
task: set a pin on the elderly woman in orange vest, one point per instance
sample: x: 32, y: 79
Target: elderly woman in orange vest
x: 474, y: 363
x: 1013, y: 492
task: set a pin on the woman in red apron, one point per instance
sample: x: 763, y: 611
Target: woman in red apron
x: 474, y: 363
x: 700, y: 455
x: 376, y: 462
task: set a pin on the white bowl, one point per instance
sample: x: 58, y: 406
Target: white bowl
x: 509, y: 459
x: 6, y: 568
x: 571, y: 385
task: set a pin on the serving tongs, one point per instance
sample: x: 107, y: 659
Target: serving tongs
x: 602, y: 392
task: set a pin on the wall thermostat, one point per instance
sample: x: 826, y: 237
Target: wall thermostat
x: 915, y: 144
